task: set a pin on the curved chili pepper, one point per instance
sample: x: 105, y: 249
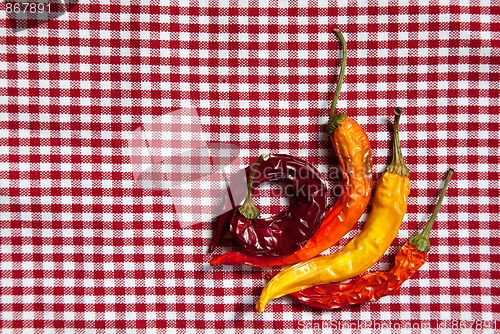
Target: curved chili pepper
x: 380, y: 229
x: 372, y: 286
x: 352, y: 148
x: 291, y: 228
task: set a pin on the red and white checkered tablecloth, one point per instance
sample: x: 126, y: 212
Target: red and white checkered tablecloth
x: 85, y: 247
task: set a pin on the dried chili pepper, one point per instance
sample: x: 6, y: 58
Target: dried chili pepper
x: 372, y: 286
x: 291, y: 228
x: 380, y: 229
x: 352, y: 148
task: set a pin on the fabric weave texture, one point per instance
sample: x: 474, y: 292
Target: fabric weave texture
x: 85, y: 248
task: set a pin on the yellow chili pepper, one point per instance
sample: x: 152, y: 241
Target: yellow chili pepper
x: 364, y: 250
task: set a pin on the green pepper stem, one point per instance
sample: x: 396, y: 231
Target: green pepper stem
x: 421, y: 240
x: 335, y: 120
x: 248, y: 208
x: 398, y: 164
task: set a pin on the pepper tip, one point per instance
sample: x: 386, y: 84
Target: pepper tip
x: 218, y: 259
x: 259, y: 307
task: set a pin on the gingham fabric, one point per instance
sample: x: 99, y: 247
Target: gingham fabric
x: 86, y: 248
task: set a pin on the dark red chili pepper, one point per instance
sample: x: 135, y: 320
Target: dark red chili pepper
x: 290, y: 229
x: 374, y: 285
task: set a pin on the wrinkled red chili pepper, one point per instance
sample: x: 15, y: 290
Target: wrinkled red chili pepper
x: 365, y: 288
x: 289, y: 230
x: 372, y: 286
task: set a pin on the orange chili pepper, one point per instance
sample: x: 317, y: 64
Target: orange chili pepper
x: 372, y: 286
x: 353, y: 150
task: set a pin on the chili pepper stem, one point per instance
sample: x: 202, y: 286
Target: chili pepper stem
x: 335, y: 120
x: 398, y: 164
x: 421, y: 240
x: 248, y: 208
